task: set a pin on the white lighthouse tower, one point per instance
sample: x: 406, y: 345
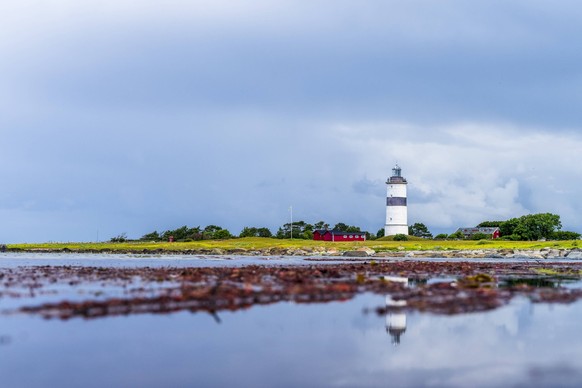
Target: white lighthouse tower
x: 396, y: 210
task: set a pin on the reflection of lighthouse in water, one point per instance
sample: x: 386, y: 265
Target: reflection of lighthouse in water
x: 396, y: 326
x: 395, y: 319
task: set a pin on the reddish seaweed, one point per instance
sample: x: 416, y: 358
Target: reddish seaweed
x: 478, y: 286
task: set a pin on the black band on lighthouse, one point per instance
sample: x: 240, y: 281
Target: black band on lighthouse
x: 396, y: 201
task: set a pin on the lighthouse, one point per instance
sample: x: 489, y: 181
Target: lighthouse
x: 396, y: 210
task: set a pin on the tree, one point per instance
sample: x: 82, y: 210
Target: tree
x: 380, y: 233
x: 441, y: 236
x: 264, y: 232
x: 153, y: 236
x: 346, y: 228
x: 301, y: 230
x: 120, y: 238
x: 565, y: 235
x: 479, y: 236
x: 457, y: 235
x: 222, y: 234
x: 419, y: 230
x: 321, y: 225
x: 248, y: 232
x: 209, y: 232
x: 490, y: 224
x: 341, y: 227
x: 400, y: 237
x: 506, y: 228
x: 255, y: 232
x: 536, y: 226
x: 183, y: 233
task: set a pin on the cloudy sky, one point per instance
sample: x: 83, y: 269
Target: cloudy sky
x: 131, y: 116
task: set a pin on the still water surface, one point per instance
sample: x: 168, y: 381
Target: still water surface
x: 290, y: 345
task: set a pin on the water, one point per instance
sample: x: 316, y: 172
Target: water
x: 14, y: 260
x: 334, y: 344
x: 115, y: 260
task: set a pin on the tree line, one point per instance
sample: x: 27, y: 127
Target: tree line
x: 304, y: 230
x: 532, y: 227
x: 528, y: 227
x: 298, y: 230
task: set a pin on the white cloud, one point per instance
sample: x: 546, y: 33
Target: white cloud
x: 469, y: 172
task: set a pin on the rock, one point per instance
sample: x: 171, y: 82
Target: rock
x: 355, y: 254
x: 236, y: 251
x: 295, y: 252
x: 385, y: 254
x: 369, y: 251
x: 277, y: 251
x: 431, y: 255
x: 536, y: 256
x: 494, y: 256
x: 574, y: 255
x: 520, y: 256
x: 217, y: 251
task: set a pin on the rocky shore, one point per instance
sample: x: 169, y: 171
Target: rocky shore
x: 399, y: 252
x: 477, y: 286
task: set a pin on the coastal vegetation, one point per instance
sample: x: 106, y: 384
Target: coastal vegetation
x: 532, y: 227
x: 263, y: 243
x: 186, y: 234
x: 419, y: 229
x: 304, y: 230
x: 534, y: 231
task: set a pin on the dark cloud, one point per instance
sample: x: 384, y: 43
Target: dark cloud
x: 131, y: 119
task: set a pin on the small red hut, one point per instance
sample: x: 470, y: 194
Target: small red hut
x: 337, y: 236
x: 468, y: 233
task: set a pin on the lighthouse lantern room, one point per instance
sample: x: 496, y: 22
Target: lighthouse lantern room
x: 396, y: 210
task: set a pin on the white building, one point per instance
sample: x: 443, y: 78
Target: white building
x: 396, y: 210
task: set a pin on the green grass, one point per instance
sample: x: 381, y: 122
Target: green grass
x: 255, y: 243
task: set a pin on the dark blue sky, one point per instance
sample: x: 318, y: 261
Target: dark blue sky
x: 132, y: 116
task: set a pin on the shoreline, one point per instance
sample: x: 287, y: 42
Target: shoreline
x: 363, y: 252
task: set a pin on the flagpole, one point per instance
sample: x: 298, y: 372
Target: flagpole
x: 291, y: 211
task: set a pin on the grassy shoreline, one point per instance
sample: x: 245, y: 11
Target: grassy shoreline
x: 261, y: 244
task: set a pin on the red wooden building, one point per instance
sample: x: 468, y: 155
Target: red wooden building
x: 468, y: 233
x: 337, y: 236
